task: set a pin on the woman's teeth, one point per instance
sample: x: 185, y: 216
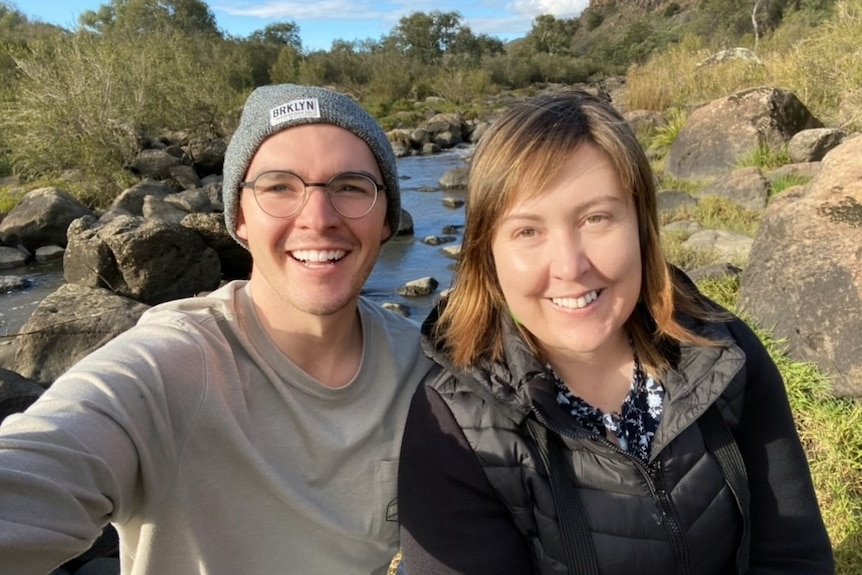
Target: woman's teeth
x: 576, y: 302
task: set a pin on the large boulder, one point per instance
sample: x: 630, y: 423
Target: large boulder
x: 235, y: 259
x: 148, y: 260
x: 67, y: 325
x: 803, y: 279
x: 41, y: 219
x: 720, y: 133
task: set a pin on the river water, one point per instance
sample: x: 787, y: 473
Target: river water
x: 401, y: 260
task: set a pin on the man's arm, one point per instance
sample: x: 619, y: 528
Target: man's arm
x: 452, y: 521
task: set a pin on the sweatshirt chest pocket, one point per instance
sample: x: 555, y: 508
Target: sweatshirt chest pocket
x: 385, y: 523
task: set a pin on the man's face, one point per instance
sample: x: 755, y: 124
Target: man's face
x: 316, y: 261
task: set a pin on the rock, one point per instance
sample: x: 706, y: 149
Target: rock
x: 67, y: 325
x: 49, y: 253
x: 207, y: 154
x: 456, y: 178
x: 453, y: 252
x: 41, y: 218
x: 405, y: 228
x: 184, y: 176
x: 812, y: 145
x: 438, y: 240
x: 726, y: 244
x: 131, y: 200
x: 235, y: 260
x: 9, y: 284
x: 151, y: 261
x: 154, y: 163
x: 800, y: 170
x: 672, y: 200
x: 803, y: 279
x: 12, y: 258
x: 746, y: 188
x: 397, y: 308
x: 644, y: 121
x: 720, y: 133
x: 17, y: 393
x: 420, y: 287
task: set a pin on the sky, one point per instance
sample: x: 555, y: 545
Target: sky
x: 320, y: 22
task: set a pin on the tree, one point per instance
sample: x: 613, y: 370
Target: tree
x: 279, y: 34
x: 466, y: 46
x: 148, y: 16
x: 425, y: 37
x: 551, y: 35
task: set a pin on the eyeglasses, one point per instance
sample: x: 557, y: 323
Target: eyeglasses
x: 282, y: 194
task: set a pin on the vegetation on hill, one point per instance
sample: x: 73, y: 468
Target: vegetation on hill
x: 75, y: 103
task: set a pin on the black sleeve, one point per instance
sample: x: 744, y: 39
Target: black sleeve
x: 788, y: 534
x: 452, y: 521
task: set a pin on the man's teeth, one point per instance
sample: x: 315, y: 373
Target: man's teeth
x: 318, y: 256
x: 576, y: 302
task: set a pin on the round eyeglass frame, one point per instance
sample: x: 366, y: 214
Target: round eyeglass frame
x: 326, y: 188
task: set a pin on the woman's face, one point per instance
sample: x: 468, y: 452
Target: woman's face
x: 568, y: 259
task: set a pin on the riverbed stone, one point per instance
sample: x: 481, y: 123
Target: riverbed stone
x: 151, y: 261
x: 67, y: 325
x: 12, y: 258
x: 41, y: 219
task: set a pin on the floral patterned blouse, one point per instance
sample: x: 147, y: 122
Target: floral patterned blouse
x: 634, y: 425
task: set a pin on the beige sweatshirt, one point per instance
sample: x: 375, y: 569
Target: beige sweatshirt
x: 211, y: 452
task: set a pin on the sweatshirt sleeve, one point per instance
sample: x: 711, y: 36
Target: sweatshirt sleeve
x: 788, y: 534
x: 94, y: 446
x: 452, y: 521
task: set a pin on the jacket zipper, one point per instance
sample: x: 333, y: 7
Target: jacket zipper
x: 655, y: 482
x: 665, y: 509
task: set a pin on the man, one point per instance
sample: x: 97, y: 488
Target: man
x: 256, y: 430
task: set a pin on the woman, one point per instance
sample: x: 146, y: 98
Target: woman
x: 592, y: 412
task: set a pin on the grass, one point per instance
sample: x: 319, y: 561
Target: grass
x: 831, y: 433
x: 9, y: 198
x: 765, y: 157
x: 786, y: 182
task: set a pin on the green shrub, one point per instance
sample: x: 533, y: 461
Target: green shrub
x: 82, y: 101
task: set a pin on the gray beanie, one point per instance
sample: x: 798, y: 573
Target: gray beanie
x: 271, y: 109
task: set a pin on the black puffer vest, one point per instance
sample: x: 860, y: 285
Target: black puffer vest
x: 677, y: 514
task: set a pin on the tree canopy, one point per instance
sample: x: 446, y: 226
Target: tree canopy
x: 148, y: 16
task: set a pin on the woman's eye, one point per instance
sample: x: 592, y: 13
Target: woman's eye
x: 526, y: 233
x: 596, y: 218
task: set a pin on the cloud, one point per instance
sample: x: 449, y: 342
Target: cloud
x: 557, y: 8
x: 324, y: 10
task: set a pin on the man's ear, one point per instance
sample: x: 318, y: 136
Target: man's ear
x: 386, y: 232
x: 241, y: 230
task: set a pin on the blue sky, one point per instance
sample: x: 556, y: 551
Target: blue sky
x: 320, y: 22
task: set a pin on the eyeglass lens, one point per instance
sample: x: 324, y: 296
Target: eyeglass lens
x: 282, y: 194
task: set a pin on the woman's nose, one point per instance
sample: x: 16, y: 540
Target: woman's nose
x: 569, y: 257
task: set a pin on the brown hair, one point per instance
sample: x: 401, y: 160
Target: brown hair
x: 520, y: 154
